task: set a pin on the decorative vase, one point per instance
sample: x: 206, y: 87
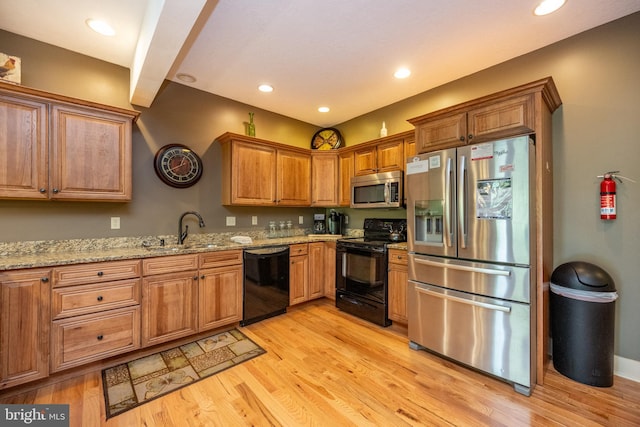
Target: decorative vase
x: 251, y: 127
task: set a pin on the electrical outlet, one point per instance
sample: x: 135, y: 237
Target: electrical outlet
x: 115, y: 223
x: 254, y: 220
x: 231, y: 221
x: 300, y: 219
x: 346, y: 219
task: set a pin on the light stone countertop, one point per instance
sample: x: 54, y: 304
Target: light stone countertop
x: 18, y: 255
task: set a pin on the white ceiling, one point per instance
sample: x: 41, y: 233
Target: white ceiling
x: 338, y: 53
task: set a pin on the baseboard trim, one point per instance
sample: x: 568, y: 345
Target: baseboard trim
x: 626, y: 368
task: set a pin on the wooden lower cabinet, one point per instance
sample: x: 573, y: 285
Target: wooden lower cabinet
x: 82, y: 339
x: 298, y: 273
x: 169, y: 306
x: 24, y: 326
x: 219, y: 296
x: 330, y: 270
x: 398, y: 281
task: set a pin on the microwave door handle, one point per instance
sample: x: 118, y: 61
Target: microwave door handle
x: 448, y: 203
x: 462, y: 202
x: 386, y: 191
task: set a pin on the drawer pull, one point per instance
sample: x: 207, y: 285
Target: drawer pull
x: 44, y: 279
x: 100, y: 273
x: 99, y: 298
x: 100, y: 337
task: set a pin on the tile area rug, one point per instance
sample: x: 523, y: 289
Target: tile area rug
x: 134, y: 383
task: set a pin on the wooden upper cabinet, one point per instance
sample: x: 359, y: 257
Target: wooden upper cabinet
x: 365, y: 160
x: 90, y: 154
x: 347, y: 171
x: 501, y: 119
x: 383, y: 155
x: 56, y: 147
x: 293, y: 178
x: 324, y: 179
x: 263, y: 173
x: 24, y: 152
x: 249, y: 174
x: 445, y: 132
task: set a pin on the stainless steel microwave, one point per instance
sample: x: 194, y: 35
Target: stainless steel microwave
x: 377, y: 190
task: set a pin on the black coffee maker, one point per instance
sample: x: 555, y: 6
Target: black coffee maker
x: 319, y: 225
x: 336, y: 222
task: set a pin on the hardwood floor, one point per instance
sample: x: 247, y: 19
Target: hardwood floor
x: 326, y: 368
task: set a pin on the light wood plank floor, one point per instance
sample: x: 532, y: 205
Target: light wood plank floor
x: 326, y: 368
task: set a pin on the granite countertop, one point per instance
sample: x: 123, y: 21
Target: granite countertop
x: 20, y: 255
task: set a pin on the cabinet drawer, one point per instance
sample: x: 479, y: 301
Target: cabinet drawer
x: 85, y: 299
x: 169, y: 264
x: 95, y: 272
x: 219, y: 259
x: 82, y: 339
x: 397, y: 256
x: 298, y: 249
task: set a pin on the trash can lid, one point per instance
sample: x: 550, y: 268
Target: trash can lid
x: 584, y: 276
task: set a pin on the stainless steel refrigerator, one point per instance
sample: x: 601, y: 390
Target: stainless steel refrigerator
x: 470, y: 224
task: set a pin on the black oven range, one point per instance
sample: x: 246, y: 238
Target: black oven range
x: 361, y: 269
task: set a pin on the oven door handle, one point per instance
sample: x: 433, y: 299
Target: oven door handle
x: 490, y: 271
x: 462, y: 300
x: 344, y: 264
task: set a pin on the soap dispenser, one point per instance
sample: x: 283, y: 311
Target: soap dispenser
x: 383, y: 131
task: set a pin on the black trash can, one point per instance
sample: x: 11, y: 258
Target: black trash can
x: 582, y: 310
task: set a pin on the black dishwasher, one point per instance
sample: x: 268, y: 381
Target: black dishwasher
x: 266, y: 283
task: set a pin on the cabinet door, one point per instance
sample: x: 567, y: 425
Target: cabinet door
x: 219, y: 297
x: 253, y: 175
x: 23, y: 148
x: 90, y: 154
x: 317, y: 269
x: 449, y: 131
x: 169, y: 307
x: 398, y: 282
x: 347, y: 171
x: 390, y: 156
x: 330, y: 270
x: 510, y: 117
x: 324, y: 179
x: 365, y: 161
x: 24, y: 326
x: 298, y: 279
x: 293, y: 178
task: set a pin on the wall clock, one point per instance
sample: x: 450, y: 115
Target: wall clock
x: 326, y: 139
x: 177, y: 165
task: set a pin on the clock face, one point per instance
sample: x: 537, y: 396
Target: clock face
x: 178, y: 166
x: 326, y: 139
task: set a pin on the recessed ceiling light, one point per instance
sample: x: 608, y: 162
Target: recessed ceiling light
x: 548, y: 6
x: 402, y: 73
x: 100, y: 27
x: 324, y: 109
x: 265, y: 88
x: 184, y: 77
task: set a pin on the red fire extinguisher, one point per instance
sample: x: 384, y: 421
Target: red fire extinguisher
x: 608, y: 196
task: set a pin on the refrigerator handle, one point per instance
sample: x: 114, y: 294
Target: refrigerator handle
x: 448, y: 203
x: 504, y: 309
x: 462, y: 202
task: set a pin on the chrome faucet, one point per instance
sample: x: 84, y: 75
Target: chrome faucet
x: 183, y: 234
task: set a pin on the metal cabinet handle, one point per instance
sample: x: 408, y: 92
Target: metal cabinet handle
x: 100, y: 274
x: 470, y: 137
x: 461, y: 138
x: 100, y: 337
x: 99, y: 298
x: 42, y: 190
x: 56, y: 191
x: 44, y: 279
x: 202, y: 277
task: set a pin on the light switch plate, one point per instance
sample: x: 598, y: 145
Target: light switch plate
x: 115, y: 223
x: 300, y: 219
x: 231, y: 221
x: 254, y: 220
